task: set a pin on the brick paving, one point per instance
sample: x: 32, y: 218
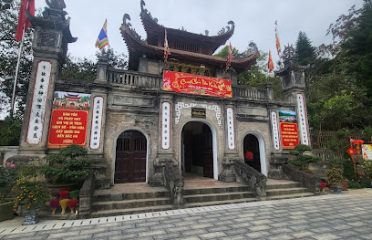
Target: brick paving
x: 332, y: 216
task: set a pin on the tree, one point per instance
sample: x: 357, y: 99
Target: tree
x: 305, y: 52
x: 8, y: 57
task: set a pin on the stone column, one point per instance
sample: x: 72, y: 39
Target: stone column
x: 165, y: 142
x: 231, y: 152
x: 52, y: 35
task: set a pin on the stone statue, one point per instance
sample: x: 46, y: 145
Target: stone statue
x: 56, y: 4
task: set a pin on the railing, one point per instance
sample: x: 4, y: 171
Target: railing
x: 124, y: 78
x: 173, y: 180
x: 86, y: 197
x: 249, y: 93
x: 248, y: 175
x: 307, y: 180
x: 133, y: 79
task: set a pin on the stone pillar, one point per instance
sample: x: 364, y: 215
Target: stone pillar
x: 165, y: 142
x: 231, y: 152
x: 52, y: 35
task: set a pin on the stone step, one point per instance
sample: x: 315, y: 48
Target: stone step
x: 117, y: 212
x: 289, y: 196
x: 214, y: 197
x: 130, y: 204
x: 99, y: 197
x: 285, y: 191
x: 283, y: 185
x: 194, y: 191
x: 211, y: 203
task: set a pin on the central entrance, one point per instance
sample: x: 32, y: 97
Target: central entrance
x: 197, y: 149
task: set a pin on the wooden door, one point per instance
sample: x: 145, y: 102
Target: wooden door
x: 207, y: 152
x: 130, y: 164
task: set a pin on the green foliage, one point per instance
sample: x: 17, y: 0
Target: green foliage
x: 334, y: 176
x: 8, y: 56
x: 305, y: 52
x: 29, y: 193
x: 78, y: 70
x: 69, y: 166
x: 7, y: 179
x: 300, y: 149
x: 10, y: 131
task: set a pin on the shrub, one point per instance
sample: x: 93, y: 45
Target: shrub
x: 334, y: 176
x: 69, y: 166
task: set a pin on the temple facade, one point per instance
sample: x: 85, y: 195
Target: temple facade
x: 188, y: 110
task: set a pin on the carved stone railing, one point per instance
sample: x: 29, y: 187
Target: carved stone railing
x: 123, y: 78
x: 86, y: 197
x: 256, y: 181
x: 173, y: 181
x: 307, y: 180
x: 249, y: 93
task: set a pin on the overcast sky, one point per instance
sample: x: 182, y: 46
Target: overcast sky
x: 254, y: 19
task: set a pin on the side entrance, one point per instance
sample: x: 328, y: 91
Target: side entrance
x: 131, y: 152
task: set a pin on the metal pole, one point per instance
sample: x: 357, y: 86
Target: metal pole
x: 16, y: 76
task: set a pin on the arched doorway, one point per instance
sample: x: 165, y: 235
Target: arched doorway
x: 131, y: 152
x: 197, y: 149
x: 252, y: 152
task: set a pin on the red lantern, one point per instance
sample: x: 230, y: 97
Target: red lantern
x: 351, y: 151
x: 249, y: 155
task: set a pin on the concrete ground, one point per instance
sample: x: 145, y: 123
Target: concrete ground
x: 333, y: 216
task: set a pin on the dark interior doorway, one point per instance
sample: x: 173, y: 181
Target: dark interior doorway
x: 252, y: 152
x: 197, y: 149
x: 131, y: 151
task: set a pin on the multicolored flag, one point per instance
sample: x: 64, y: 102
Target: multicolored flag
x: 102, y: 40
x: 270, y: 63
x: 277, y: 40
x: 229, y: 56
x: 23, y: 21
x: 166, y: 46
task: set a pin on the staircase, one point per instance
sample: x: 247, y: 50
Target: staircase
x: 132, y: 198
x: 285, y: 189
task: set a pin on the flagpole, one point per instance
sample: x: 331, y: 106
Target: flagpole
x: 16, y: 75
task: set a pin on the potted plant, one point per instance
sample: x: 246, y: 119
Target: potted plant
x: 68, y: 168
x: 335, y: 178
x: 7, y: 179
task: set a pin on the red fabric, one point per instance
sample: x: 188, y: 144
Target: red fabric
x: 23, y: 21
x: 351, y: 151
x: 73, y: 203
x: 270, y: 63
x: 63, y: 194
x: 249, y: 155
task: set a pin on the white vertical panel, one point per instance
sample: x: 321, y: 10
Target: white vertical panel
x: 95, y: 133
x: 230, y: 129
x: 39, y: 98
x: 165, y: 140
x: 302, y: 119
x: 274, y: 124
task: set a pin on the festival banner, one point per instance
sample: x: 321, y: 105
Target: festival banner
x: 68, y: 124
x: 367, y: 151
x: 196, y: 84
x: 288, y: 129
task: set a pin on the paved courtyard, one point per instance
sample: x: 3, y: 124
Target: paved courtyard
x: 332, y: 216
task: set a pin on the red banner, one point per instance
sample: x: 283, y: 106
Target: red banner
x: 195, y: 84
x: 67, y: 127
x: 289, y: 133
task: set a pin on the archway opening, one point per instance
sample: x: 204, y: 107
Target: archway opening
x: 197, y: 149
x: 252, y: 152
x: 131, y: 152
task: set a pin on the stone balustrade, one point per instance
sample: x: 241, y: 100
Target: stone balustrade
x: 130, y: 79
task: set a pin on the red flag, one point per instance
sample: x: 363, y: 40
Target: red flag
x: 270, y: 63
x: 229, y: 56
x: 166, y: 46
x: 23, y: 21
x: 277, y: 40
